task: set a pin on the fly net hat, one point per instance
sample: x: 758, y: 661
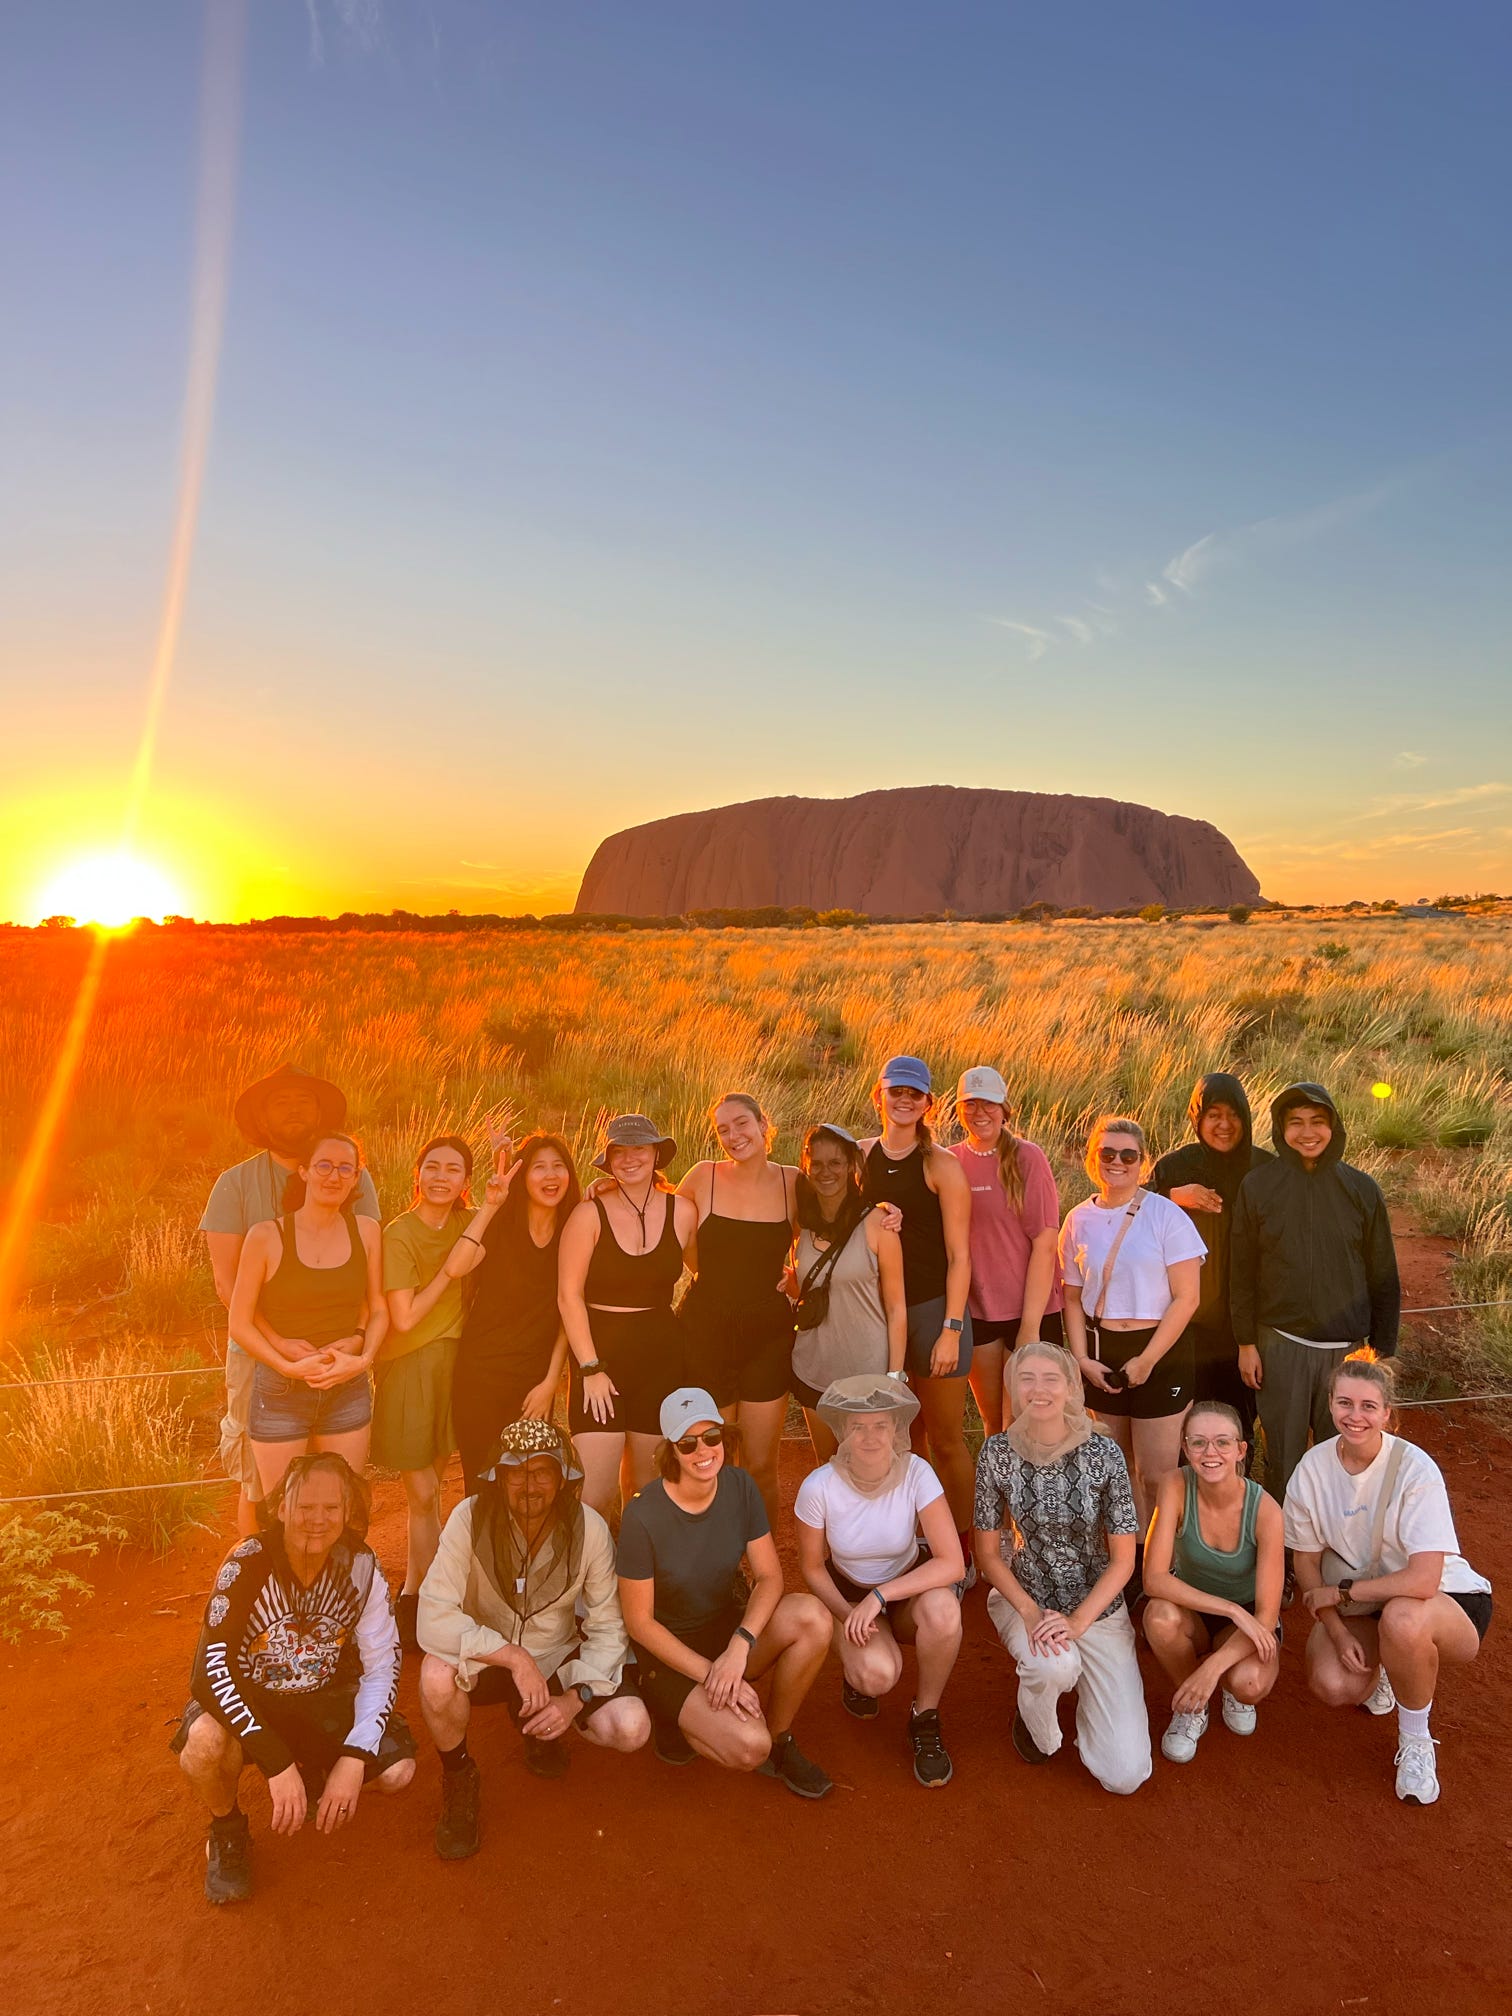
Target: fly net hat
x: 845, y: 1401
x: 1077, y: 1425
x: 525, y: 1578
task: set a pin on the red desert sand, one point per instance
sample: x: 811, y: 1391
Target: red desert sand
x: 1277, y: 1874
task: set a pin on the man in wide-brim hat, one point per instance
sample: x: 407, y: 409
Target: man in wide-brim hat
x: 281, y: 1115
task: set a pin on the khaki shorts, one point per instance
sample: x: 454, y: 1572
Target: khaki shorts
x: 236, y: 1455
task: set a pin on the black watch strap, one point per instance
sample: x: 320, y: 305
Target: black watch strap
x: 749, y: 1636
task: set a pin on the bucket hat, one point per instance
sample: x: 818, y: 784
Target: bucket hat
x: 634, y: 1130
x: 249, y: 1109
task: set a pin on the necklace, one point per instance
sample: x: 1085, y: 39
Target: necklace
x: 640, y: 1210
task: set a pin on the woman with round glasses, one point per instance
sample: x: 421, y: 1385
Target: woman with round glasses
x: 308, y: 1306
x: 702, y: 1638
x: 1213, y: 1568
x: 906, y: 1167
x: 1131, y: 1262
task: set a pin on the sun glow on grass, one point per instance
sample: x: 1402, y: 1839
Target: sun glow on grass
x: 110, y: 890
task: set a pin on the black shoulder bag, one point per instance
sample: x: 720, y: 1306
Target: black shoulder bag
x: 812, y: 1307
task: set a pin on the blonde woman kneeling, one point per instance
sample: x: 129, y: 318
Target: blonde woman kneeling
x: 1055, y: 1530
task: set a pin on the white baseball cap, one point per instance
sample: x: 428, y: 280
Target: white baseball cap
x: 681, y: 1410
x: 982, y: 1082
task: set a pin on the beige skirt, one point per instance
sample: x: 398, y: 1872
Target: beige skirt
x: 412, y: 1412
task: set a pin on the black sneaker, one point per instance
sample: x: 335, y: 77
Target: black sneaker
x: 546, y: 1760
x: 228, y: 1862
x: 1025, y: 1744
x: 406, y: 1615
x: 457, y: 1832
x: 671, y: 1745
x: 865, y: 1707
x: 932, y: 1765
x: 788, y: 1763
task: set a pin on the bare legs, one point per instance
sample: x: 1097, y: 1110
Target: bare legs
x: 986, y: 1376
x: 942, y: 1404
x: 614, y: 1461
x: 1182, y: 1639
x: 422, y: 1494
x: 620, y: 1724
x: 931, y: 1623
x: 792, y: 1649
x: 760, y: 1423
x: 1151, y: 1448
x: 212, y: 1761
x: 273, y: 1458
x: 1411, y: 1638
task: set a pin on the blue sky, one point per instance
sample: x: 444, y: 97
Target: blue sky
x: 629, y: 409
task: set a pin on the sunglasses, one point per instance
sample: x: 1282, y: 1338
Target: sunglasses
x: 324, y: 1168
x: 904, y: 1092
x: 710, y: 1438
x: 1125, y: 1155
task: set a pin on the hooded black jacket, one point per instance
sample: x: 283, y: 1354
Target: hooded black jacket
x: 1197, y: 1163
x: 1311, y: 1251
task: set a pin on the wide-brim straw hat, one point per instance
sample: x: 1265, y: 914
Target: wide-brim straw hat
x: 634, y: 1130
x: 248, y: 1110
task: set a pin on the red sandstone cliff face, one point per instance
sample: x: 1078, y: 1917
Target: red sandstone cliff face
x: 904, y: 853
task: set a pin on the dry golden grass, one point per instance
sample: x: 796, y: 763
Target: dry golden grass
x: 432, y: 1032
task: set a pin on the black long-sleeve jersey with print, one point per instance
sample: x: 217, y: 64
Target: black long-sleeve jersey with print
x: 269, y: 1646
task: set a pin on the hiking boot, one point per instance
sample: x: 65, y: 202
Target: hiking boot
x: 457, y: 1833
x: 546, y: 1760
x: 1380, y: 1700
x: 788, y: 1763
x: 1238, y: 1716
x: 932, y: 1765
x: 406, y: 1615
x: 1416, y: 1772
x: 671, y: 1745
x: 1025, y: 1744
x: 228, y: 1861
x: 1180, y: 1741
x: 865, y: 1707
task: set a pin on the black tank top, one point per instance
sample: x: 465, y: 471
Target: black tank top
x: 740, y: 1261
x: 318, y: 1304
x: 923, y: 1229
x: 621, y: 1280
x: 514, y: 1311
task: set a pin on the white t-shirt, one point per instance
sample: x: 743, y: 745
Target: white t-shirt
x: 870, y: 1539
x: 1327, y: 1508
x: 1160, y: 1235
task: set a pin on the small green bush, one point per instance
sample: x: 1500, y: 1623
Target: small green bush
x: 1153, y: 913
x: 35, y: 1545
x: 1239, y: 913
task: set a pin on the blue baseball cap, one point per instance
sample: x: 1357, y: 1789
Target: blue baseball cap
x: 907, y: 1071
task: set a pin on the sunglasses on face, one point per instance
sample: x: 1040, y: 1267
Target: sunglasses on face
x: 710, y: 1438
x: 1124, y: 1155
x: 343, y: 1169
x: 909, y: 1092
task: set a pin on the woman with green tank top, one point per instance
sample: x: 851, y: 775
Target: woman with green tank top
x: 1213, y: 1569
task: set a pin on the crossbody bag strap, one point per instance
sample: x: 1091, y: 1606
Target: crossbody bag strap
x: 826, y: 1261
x: 1107, y: 1273
x: 1383, y: 1506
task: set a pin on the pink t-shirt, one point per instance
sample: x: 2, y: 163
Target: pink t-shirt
x: 1001, y: 1237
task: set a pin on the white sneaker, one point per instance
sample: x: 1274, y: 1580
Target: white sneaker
x: 1180, y: 1741
x: 1239, y: 1716
x: 1380, y: 1700
x: 1417, y: 1773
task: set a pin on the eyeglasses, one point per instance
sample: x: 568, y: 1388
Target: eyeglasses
x: 324, y: 1168
x: 1124, y: 1155
x: 1221, y: 1445
x: 710, y: 1438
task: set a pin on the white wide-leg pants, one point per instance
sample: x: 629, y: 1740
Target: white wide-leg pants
x: 1102, y: 1667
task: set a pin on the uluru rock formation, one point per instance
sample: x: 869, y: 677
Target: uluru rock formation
x: 908, y: 853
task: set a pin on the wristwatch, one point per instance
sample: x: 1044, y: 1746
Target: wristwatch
x: 584, y: 1692
x: 1345, y: 1588
x: 590, y: 1368
x: 956, y: 1323
x: 749, y: 1637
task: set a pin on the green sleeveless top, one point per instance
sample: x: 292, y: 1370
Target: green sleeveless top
x: 1231, y: 1576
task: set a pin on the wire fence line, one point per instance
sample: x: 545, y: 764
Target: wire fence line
x: 202, y: 1371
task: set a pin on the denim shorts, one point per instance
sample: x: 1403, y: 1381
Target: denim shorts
x: 287, y: 1410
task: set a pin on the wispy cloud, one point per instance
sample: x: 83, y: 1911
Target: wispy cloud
x: 1037, y: 641
x: 1076, y: 627
x: 1243, y: 543
x: 1155, y: 595
x: 1407, y: 803
x: 1408, y: 759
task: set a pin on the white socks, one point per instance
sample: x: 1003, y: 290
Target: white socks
x: 1412, y: 1721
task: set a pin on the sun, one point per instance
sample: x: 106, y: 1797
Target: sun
x: 110, y: 889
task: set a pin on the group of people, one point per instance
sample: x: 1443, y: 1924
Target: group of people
x: 1118, y: 1359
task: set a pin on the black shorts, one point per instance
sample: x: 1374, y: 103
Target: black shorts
x: 495, y: 1688
x: 316, y: 1733
x: 1476, y: 1604
x: 642, y: 1350
x: 992, y: 1330
x: 854, y: 1591
x: 662, y: 1687
x: 745, y: 1356
x: 1167, y: 1391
